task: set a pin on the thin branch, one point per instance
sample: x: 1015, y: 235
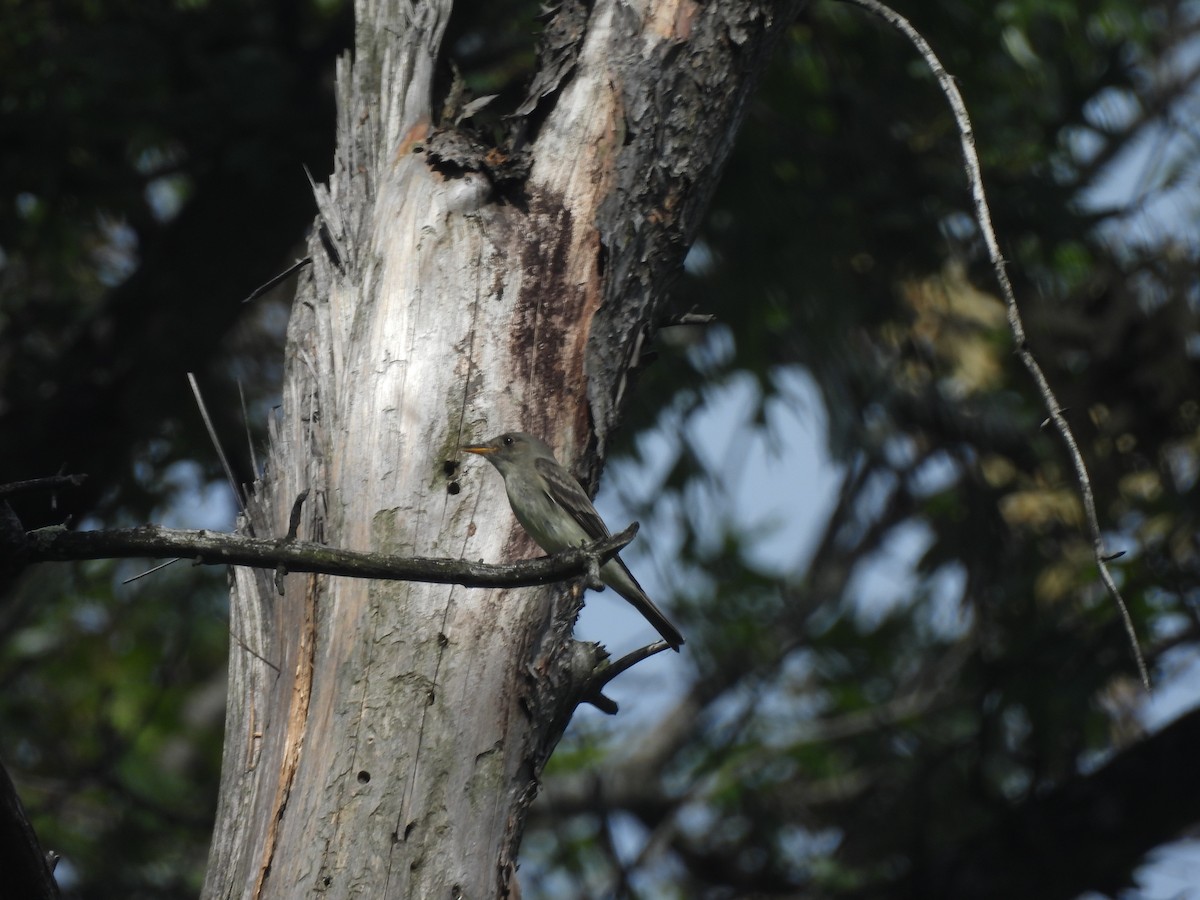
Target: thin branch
x: 1015, y: 323
x: 35, y: 485
x: 607, y: 673
x: 216, y: 442
x: 170, y: 562
x: 593, y: 690
x: 276, y: 279
x: 254, y: 470
x: 217, y: 548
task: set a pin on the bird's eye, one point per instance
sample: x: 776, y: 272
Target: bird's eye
x: 508, y: 441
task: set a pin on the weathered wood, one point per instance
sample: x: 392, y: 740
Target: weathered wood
x: 385, y: 739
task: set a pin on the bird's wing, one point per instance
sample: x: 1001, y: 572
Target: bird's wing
x: 566, y: 492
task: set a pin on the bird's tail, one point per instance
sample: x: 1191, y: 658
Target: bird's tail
x: 655, y: 617
x: 621, y: 580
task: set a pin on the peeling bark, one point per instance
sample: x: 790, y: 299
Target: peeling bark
x: 385, y: 739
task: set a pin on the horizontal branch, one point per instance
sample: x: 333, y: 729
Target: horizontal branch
x: 35, y: 485
x: 218, y: 548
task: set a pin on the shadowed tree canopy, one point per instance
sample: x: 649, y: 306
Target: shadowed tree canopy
x: 957, y: 734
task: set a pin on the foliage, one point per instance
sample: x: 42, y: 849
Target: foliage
x: 113, y: 700
x: 885, y: 749
x: 815, y: 740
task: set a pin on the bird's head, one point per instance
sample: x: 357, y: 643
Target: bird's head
x: 510, y: 449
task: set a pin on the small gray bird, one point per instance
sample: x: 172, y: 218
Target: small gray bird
x: 557, y: 514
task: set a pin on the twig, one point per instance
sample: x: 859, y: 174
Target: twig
x: 605, y: 674
x: 249, y: 437
x: 294, y: 518
x: 217, y: 548
x: 1015, y: 323
x: 276, y: 279
x: 34, y: 485
x: 293, y: 528
x: 593, y: 691
x: 216, y: 442
x: 170, y: 562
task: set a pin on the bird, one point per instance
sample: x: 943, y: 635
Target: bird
x: 555, y: 511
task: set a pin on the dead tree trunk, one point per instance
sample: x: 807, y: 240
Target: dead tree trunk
x: 385, y: 739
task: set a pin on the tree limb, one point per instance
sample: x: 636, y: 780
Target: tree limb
x: 217, y: 548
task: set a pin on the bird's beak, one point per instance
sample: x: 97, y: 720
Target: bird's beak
x: 482, y: 451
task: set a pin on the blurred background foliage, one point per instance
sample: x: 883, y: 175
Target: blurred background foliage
x: 905, y: 681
